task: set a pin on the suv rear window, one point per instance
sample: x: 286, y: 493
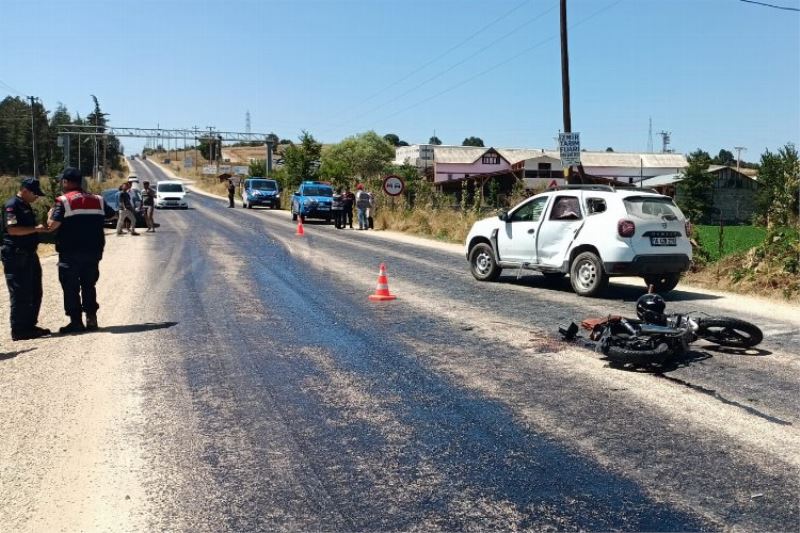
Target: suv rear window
x: 651, y: 207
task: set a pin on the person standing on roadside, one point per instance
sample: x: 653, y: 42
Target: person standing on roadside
x: 362, y: 205
x: 231, y: 192
x: 149, y: 204
x: 78, y: 217
x: 21, y: 262
x: 125, y: 210
x: 337, y: 206
x: 347, y: 207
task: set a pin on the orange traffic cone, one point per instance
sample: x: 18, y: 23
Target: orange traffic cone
x: 300, y: 230
x: 382, y: 290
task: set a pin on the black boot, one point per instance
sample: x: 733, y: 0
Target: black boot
x: 75, y: 326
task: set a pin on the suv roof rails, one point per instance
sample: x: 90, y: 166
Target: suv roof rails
x: 601, y: 187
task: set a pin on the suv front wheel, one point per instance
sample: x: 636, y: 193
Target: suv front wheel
x: 482, y: 263
x: 586, y: 275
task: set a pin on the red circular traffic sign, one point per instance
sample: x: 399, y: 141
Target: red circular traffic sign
x: 393, y: 185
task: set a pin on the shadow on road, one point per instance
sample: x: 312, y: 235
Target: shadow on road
x: 615, y: 291
x: 673, y: 364
x: 11, y: 355
x: 752, y: 352
x: 138, y: 328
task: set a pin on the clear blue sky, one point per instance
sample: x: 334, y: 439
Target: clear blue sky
x: 716, y: 73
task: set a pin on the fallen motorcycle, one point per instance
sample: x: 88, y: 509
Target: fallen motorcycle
x: 655, y: 337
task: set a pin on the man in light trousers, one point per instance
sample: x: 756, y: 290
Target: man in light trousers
x: 125, y: 210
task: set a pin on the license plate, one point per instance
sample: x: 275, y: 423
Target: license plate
x: 663, y: 241
x: 323, y: 208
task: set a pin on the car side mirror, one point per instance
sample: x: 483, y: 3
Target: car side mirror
x: 503, y: 215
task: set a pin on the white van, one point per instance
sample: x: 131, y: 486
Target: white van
x: 171, y: 194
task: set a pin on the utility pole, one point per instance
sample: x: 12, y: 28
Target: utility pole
x: 739, y: 150
x: 33, y: 140
x: 565, y: 69
x: 565, y: 83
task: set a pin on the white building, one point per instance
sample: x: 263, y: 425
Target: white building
x: 536, y: 166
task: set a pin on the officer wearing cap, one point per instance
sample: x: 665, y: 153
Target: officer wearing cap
x: 21, y: 262
x: 78, y: 216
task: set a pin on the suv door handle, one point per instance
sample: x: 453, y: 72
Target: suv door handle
x: 531, y: 231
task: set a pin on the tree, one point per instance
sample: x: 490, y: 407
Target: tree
x: 301, y: 161
x: 695, y: 191
x: 285, y: 141
x: 435, y: 141
x: 776, y: 200
x: 257, y: 167
x: 724, y: 157
x: 392, y: 139
x: 609, y: 149
x: 402, y: 143
x: 273, y: 139
x: 472, y: 141
x: 364, y: 156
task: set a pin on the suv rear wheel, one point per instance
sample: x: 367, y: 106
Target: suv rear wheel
x: 586, y: 275
x: 482, y: 263
x: 663, y: 282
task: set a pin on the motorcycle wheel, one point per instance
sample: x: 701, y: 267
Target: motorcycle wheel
x: 624, y: 354
x: 727, y: 331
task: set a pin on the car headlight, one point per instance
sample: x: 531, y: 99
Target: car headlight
x: 277, y: 195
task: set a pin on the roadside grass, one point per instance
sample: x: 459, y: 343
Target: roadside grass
x: 442, y: 224
x: 770, y: 267
x: 735, y: 239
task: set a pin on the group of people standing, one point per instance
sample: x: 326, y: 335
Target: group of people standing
x: 129, y: 198
x: 342, y: 208
x: 77, y: 218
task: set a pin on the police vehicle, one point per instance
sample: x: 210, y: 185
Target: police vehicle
x: 313, y: 200
x: 261, y: 191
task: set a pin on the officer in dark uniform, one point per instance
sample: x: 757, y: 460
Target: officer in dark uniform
x: 78, y: 216
x: 21, y: 262
x: 231, y: 193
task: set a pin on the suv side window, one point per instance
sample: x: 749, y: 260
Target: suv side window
x: 530, y: 212
x: 595, y: 206
x: 566, y: 208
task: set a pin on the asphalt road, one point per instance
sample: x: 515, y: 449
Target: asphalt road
x: 280, y: 398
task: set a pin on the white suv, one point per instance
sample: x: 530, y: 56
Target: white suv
x: 590, y: 232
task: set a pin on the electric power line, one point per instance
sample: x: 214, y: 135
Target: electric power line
x: 773, y: 6
x: 13, y: 90
x: 450, y: 68
x: 498, y: 65
x: 437, y: 58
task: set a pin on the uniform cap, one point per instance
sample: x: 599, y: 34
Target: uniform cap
x: 71, y: 174
x: 360, y: 187
x: 33, y: 185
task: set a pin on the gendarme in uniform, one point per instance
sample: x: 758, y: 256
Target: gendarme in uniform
x: 23, y: 272
x: 78, y: 217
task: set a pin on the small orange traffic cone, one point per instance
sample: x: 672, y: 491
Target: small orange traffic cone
x: 300, y: 230
x: 382, y: 290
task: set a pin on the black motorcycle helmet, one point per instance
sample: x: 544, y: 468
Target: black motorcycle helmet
x: 650, y: 308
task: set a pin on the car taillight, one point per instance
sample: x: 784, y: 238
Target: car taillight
x: 688, y: 229
x: 626, y: 228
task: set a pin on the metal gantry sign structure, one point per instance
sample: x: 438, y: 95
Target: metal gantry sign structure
x: 69, y: 130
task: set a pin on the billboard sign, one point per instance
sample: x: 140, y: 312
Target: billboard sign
x: 570, y: 148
